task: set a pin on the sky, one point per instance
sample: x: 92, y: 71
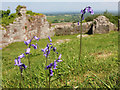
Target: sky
x: 61, y: 5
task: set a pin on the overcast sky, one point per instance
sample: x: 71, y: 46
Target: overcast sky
x: 61, y: 5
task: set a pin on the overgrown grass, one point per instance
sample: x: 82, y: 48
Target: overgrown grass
x: 99, y: 57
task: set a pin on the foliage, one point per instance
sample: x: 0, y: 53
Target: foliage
x: 4, y: 13
x: 101, y: 60
x: 8, y: 19
x: 90, y: 18
x: 113, y: 19
x: 18, y: 9
x: 33, y: 13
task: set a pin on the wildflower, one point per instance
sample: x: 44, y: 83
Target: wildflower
x: 51, y: 72
x: 87, y: 9
x: 36, y: 38
x: 55, y: 64
x: 0, y: 48
x: 46, y: 50
x: 21, y: 56
x: 34, y: 46
x: 18, y: 63
x: 50, y: 39
x: 27, y: 51
x: 59, y: 58
x: 49, y: 66
x: 27, y: 42
x: 54, y: 49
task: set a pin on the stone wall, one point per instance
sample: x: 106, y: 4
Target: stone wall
x: 98, y: 26
x: 24, y: 28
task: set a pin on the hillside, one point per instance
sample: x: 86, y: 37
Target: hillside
x: 98, y: 65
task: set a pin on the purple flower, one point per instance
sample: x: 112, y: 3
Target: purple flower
x: 34, y: 46
x: 87, y: 9
x: 92, y: 12
x: 49, y: 66
x: 27, y: 42
x: 18, y: 63
x: 78, y: 23
x: 50, y: 43
x: 27, y: 51
x: 36, y: 38
x: 51, y: 47
x: 0, y: 48
x: 44, y: 50
x: 21, y: 56
x: 54, y: 49
x: 50, y: 39
x: 23, y: 65
x: 51, y: 72
x: 59, y: 57
x: 81, y: 11
x: 54, y: 66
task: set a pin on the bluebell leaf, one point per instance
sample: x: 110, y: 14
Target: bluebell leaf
x: 36, y: 38
x: 50, y: 39
x: 27, y: 42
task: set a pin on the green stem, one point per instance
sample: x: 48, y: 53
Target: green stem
x: 46, y: 72
x: 20, y: 77
x: 80, y: 42
x: 49, y: 79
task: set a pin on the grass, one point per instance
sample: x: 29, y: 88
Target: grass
x: 98, y: 67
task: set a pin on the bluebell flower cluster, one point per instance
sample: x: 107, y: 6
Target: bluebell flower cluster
x: 54, y: 64
x: 87, y: 9
x: 18, y: 60
x: 48, y: 48
x: 46, y: 52
x: 28, y: 42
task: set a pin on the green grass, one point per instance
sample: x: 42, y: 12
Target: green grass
x: 98, y: 66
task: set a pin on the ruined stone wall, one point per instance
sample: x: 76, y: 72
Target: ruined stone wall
x: 24, y: 28
x: 72, y: 29
x: 98, y: 26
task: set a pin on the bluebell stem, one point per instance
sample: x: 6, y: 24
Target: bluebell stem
x: 46, y: 52
x: 21, y: 65
x: 89, y: 10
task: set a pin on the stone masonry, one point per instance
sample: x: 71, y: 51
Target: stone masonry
x: 98, y: 26
x: 25, y: 27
